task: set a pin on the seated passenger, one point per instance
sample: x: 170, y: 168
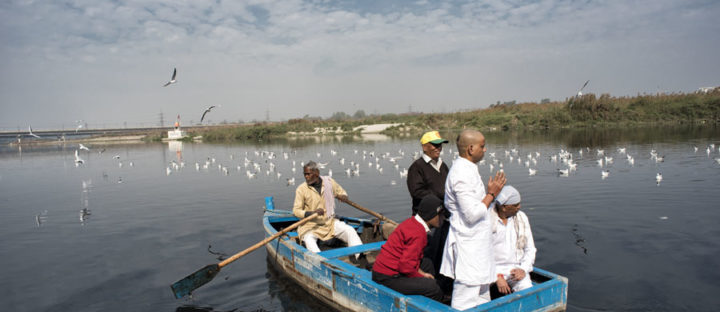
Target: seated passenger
x: 400, y: 264
x: 513, y: 243
x: 318, y: 194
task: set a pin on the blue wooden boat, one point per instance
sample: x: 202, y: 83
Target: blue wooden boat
x: 332, y: 278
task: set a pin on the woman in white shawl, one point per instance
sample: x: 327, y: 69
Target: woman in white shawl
x: 513, y: 243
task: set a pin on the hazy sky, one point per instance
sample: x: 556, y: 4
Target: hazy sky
x: 105, y: 62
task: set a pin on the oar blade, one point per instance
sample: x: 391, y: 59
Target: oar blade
x: 194, y: 281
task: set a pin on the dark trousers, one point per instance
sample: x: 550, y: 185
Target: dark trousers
x: 434, y: 251
x: 412, y: 285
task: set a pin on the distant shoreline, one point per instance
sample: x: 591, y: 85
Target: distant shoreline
x: 586, y: 111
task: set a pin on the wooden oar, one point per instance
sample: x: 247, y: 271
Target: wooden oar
x: 201, y: 277
x: 368, y: 211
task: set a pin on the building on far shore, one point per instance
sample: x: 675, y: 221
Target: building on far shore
x: 177, y: 133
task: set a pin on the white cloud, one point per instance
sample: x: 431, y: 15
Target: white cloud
x: 295, y: 56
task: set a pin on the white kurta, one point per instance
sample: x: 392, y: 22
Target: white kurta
x: 468, y: 255
x: 507, y: 255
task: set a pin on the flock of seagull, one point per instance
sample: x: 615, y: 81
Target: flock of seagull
x: 259, y: 163
x: 282, y: 166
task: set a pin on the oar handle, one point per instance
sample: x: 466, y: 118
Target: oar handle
x: 368, y: 211
x: 265, y: 241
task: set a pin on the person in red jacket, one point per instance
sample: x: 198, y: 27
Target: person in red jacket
x: 400, y: 265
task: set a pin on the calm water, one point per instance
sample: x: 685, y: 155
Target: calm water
x: 75, y: 239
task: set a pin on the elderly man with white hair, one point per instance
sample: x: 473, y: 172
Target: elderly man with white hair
x: 513, y: 243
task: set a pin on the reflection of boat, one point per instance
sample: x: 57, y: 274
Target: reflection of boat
x: 175, y: 146
x: 332, y: 278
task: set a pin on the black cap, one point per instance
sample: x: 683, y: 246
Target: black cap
x: 429, y: 207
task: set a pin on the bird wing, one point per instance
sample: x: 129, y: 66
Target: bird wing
x: 171, y: 79
x: 583, y: 87
x: 31, y: 133
x: 206, y: 111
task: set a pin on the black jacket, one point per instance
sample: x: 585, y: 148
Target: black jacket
x: 423, y: 179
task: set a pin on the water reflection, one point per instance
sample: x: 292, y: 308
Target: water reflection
x: 41, y: 218
x: 85, y: 201
x: 626, y: 232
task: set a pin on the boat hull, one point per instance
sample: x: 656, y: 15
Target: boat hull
x: 345, y: 287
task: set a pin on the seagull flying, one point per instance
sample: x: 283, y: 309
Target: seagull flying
x: 31, y: 133
x: 579, y: 93
x: 172, y: 80
x: 83, y: 147
x: 205, y: 112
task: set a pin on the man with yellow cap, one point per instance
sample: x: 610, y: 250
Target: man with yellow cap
x: 427, y: 176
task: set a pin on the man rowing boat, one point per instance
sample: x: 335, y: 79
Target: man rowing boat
x: 318, y: 194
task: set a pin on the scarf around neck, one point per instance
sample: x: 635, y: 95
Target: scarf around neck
x: 328, y: 197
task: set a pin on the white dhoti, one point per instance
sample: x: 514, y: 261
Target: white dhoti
x: 469, y: 296
x: 343, y: 232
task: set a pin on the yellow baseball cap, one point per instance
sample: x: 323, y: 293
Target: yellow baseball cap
x: 432, y: 137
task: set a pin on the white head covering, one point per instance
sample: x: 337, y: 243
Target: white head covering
x: 508, y: 196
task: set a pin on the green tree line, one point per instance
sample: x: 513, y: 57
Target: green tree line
x: 588, y: 110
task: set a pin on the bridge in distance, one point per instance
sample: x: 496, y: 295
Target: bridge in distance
x: 55, y: 134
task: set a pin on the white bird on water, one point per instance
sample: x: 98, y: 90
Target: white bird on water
x: 658, y: 178
x: 31, y: 133
x: 291, y: 181
x: 604, y: 174
x: 172, y: 80
x: 564, y: 172
x: 532, y: 171
x: 83, y: 147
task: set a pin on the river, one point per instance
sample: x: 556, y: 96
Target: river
x: 113, y: 233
